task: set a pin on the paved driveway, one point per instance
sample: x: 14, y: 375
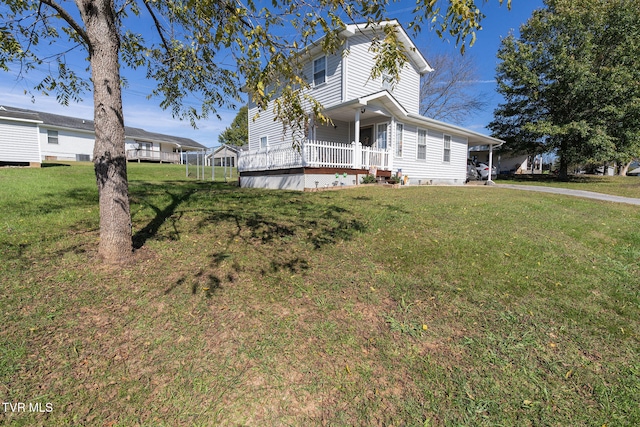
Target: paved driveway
x: 569, y: 192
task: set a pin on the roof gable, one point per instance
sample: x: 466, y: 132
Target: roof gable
x: 412, y: 51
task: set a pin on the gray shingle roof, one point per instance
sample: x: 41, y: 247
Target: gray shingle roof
x: 87, y: 125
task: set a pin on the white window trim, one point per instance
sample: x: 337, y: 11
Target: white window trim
x: 313, y: 65
x: 446, y: 149
x: 401, y: 125
x: 426, y: 139
x: 51, y: 137
x: 266, y: 138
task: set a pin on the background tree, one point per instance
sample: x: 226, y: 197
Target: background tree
x: 570, y: 82
x: 445, y: 92
x: 186, y: 56
x: 238, y: 131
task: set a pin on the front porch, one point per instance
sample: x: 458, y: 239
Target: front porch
x: 314, y: 154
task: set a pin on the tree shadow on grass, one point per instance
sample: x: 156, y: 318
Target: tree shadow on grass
x: 162, y: 215
x: 274, y: 232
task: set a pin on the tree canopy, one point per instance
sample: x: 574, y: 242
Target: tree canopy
x: 238, y: 131
x: 570, y: 82
x: 205, y: 49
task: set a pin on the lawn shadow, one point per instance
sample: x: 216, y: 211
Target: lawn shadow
x: 162, y: 214
x: 275, y: 229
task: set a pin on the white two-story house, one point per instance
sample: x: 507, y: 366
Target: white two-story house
x: 375, y: 127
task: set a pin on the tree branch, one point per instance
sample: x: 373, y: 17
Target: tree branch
x: 156, y: 23
x: 69, y: 19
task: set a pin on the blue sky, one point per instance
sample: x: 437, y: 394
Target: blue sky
x: 147, y: 114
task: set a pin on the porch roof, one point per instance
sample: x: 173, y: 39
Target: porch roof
x: 384, y: 103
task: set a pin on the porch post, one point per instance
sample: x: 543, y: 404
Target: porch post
x: 391, y: 147
x: 489, y: 181
x: 356, y: 141
x: 303, y: 151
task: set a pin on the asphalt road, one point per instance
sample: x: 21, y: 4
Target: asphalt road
x: 569, y: 192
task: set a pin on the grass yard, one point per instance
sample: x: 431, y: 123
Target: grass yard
x: 423, y: 306
x: 625, y: 186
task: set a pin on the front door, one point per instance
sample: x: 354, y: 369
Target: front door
x: 366, y: 136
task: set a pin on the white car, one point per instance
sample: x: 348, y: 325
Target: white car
x: 483, y: 171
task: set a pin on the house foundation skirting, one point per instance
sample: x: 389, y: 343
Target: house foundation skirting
x: 302, y: 178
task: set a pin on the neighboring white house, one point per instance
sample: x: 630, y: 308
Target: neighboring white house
x: 30, y: 137
x: 375, y: 127
x: 224, y: 155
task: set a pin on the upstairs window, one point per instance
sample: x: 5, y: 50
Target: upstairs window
x: 446, y: 156
x: 52, y: 136
x: 387, y: 81
x: 320, y: 71
x: 264, y: 141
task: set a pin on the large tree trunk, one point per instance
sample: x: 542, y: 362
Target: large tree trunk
x: 109, y: 155
x: 624, y: 168
x: 564, y: 164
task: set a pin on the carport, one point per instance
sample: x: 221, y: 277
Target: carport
x: 480, y: 145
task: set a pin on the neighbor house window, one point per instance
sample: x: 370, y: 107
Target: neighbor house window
x: 446, y: 155
x: 399, y: 136
x: 52, y: 136
x: 144, y: 146
x: 263, y: 142
x: 320, y: 70
x: 382, y: 136
x: 422, y: 144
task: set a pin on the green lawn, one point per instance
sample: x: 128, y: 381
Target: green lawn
x: 420, y: 306
x: 626, y: 186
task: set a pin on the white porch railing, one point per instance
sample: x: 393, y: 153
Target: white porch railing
x: 327, y: 154
x: 156, y: 156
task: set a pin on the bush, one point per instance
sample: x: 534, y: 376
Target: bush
x: 369, y: 179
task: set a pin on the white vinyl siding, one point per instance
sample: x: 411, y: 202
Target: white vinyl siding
x: 422, y: 145
x: 431, y: 168
x: 19, y: 142
x: 65, y: 144
x: 446, y: 154
x: 329, y: 92
x: 360, y: 60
